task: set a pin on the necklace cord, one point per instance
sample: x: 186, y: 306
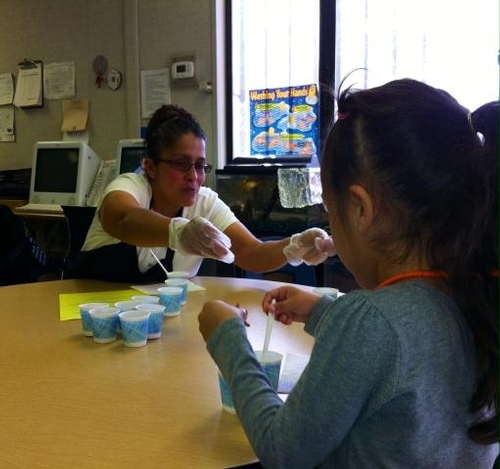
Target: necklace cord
x: 429, y: 274
x: 412, y: 275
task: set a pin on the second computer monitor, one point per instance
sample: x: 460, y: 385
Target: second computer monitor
x: 129, y: 155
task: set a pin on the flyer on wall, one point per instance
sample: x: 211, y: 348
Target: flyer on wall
x: 284, y: 121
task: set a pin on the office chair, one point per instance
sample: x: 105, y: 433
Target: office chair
x: 302, y: 274
x: 21, y: 258
x: 78, y: 219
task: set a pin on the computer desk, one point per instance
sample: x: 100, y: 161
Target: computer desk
x: 39, y: 215
x: 66, y: 401
x: 13, y: 203
x: 49, y: 229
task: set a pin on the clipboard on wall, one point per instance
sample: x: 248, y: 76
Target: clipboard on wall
x: 29, y: 86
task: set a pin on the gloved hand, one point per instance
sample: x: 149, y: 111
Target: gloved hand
x: 312, y: 246
x: 199, y: 237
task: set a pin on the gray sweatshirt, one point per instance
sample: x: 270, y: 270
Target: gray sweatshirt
x: 388, y: 385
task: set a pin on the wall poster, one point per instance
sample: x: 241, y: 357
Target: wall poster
x: 284, y: 122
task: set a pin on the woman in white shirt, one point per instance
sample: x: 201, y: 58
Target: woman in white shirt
x: 167, y: 210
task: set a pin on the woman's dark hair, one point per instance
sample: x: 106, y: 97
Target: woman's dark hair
x: 166, y: 125
x: 418, y: 151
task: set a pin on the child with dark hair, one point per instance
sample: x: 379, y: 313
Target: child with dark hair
x: 404, y: 372
x: 167, y: 210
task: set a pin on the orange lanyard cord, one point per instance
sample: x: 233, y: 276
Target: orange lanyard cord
x: 423, y: 274
x: 412, y: 275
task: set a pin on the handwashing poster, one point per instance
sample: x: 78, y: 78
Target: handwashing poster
x: 284, y: 121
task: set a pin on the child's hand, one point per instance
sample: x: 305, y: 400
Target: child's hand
x: 291, y: 304
x: 214, y: 313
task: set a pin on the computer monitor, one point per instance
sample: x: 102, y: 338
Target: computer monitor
x: 62, y: 172
x: 129, y: 156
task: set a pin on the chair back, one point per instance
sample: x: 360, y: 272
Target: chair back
x: 78, y: 218
x: 22, y: 260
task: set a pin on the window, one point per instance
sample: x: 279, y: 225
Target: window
x: 447, y: 44
x: 286, y: 43
x: 274, y: 80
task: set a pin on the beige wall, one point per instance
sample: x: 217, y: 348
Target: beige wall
x: 133, y: 35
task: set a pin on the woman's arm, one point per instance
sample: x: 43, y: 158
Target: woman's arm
x: 251, y: 253
x: 122, y: 217
x: 312, y: 246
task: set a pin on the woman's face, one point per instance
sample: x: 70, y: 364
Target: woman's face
x: 175, y: 179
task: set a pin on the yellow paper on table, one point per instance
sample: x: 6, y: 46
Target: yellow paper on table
x: 68, y: 302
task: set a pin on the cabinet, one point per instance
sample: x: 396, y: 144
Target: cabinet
x: 253, y: 195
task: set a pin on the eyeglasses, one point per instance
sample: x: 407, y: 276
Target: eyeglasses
x: 185, y: 166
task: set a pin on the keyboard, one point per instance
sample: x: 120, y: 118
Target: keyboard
x: 49, y: 208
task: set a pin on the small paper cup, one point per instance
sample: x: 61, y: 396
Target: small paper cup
x: 134, y: 327
x: 155, y: 324
x: 127, y: 305
x: 104, y: 324
x: 141, y: 299
x: 86, y: 319
x: 170, y: 297
x: 178, y: 274
x: 182, y: 283
x: 328, y: 291
x: 225, y: 395
x: 271, y: 364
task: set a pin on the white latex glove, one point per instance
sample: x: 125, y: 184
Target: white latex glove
x: 312, y: 246
x: 199, y: 237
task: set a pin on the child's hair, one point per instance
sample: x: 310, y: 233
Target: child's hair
x: 167, y: 124
x: 418, y: 152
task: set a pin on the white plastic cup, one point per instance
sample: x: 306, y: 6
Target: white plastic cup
x: 134, y: 325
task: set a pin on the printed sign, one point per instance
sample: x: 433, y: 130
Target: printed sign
x: 284, y: 122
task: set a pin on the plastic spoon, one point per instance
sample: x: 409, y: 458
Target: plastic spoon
x: 269, y: 327
x: 159, y: 263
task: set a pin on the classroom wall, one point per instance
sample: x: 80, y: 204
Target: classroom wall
x: 134, y: 35
x: 173, y: 28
